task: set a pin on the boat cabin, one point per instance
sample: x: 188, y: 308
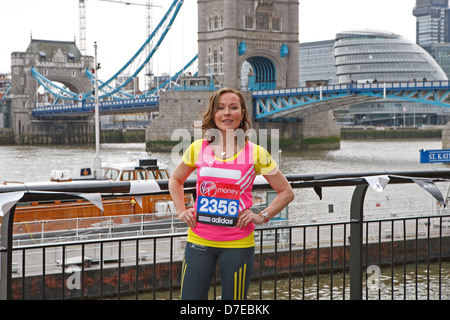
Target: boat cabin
x: 145, y: 169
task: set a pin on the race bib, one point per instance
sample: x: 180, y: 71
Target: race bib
x: 218, y: 203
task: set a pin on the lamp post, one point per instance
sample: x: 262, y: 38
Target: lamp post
x: 97, y: 160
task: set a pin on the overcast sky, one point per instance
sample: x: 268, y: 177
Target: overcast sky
x: 120, y: 29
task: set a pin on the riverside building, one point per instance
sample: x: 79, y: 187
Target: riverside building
x: 373, y: 55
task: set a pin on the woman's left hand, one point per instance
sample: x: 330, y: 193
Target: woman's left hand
x: 246, y: 216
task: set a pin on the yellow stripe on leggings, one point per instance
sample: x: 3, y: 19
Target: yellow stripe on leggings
x: 239, y: 283
x: 183, y: 272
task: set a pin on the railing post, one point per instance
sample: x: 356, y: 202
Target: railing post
x: 6, y: 255
x: 356, y: 242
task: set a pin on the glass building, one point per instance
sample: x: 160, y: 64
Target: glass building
x: 317, y: 63
x: 441, y: 53
x: 369, y: 55
x: 433, y: 30
x: 383, y: 56
x: 432, y: 22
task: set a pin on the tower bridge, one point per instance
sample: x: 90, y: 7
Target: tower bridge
x: 263, y: 34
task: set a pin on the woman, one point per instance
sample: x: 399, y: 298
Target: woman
x: 221, y: 223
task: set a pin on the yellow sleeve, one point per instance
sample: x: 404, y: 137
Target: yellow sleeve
x: 190, y: 156
x: 264, y: 163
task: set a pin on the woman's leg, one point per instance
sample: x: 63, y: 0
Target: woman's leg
x: 199, y: 266
x: 236, y: 266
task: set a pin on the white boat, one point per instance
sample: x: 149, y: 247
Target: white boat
x: 138, y: 167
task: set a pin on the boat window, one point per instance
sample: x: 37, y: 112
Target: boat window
x: 163, y: 174
x: 141, y: 175
x: 111, y: 174
x: 152, y: 175
x: 158, y: 174
x: 127, y: 175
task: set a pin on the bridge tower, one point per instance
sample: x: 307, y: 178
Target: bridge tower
x: 59, y: 61
x: 262, y: 32
x: 265, y: 34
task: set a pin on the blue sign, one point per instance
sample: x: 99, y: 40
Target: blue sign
x: 434, y: 156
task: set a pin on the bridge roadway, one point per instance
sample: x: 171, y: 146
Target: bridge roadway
x: 284, y: 103
x: 105, y: 107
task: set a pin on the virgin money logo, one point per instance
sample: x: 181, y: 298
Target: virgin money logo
x: 208, y: 189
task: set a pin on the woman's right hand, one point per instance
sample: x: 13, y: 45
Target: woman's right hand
x: 189, y: 217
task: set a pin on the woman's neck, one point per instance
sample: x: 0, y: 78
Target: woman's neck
x: 225, y: 148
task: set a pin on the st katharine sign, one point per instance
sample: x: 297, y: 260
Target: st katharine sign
x: 434, y: 156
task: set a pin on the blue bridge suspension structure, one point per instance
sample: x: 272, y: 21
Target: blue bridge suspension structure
x: 288, y: 103
x: 111, y: 92
x: 299, y: 102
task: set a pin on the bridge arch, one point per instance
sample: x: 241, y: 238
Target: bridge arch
x: 73, y: 82
x: 263, y: 72
x: 58, y: 61
x: 264, y: 33
x: 267, y: 70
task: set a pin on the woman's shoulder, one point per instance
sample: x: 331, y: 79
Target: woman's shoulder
x: 258, y: 148
x: 190, y: 156
x: 198, y: 142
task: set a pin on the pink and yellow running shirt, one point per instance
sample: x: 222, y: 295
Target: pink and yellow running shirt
x: 224, y: 188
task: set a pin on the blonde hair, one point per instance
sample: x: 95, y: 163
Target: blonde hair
x: 208, y: 122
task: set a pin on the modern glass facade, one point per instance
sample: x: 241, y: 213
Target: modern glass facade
x: 383, y: 56
x: 433, y: 30
x: 317, y: 63
x: 366, y: 55
x: 441, y: 53
x: 432, y: 22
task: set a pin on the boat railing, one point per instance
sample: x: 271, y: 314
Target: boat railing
x: 350, y: 251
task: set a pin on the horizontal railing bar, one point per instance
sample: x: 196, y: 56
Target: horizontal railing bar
x: 107, y: 187
x: 104, y: 240
x: 408, y: 218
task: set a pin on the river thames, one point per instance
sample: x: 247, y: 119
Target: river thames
x: 35, y: 163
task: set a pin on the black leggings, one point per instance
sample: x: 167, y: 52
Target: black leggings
x: 199, y: 266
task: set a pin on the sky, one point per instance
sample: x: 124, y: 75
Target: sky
x: 119, y: 29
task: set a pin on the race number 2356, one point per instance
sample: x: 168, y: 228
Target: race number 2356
x: 217, y: 206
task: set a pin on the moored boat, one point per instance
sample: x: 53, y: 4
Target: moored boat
x: 81, y: 213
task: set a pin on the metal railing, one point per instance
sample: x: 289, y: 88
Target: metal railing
x: 389, y: 258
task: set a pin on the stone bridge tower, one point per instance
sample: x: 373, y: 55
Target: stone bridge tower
x: 255, y: 39
x: 262, y: 32
x: 58, y: 61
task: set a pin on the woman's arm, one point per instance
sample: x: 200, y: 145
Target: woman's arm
x: 284, y: 195
x: 176, y: 188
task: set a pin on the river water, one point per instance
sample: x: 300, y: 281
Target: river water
x: 35, y: 163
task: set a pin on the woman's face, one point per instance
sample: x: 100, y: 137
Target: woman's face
x: 229, y: 112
